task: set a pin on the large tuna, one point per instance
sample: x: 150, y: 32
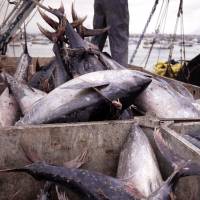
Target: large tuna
x: 79, y: 93
x: 138, y: 165
x: 161, y: 99
x: 9, y: 109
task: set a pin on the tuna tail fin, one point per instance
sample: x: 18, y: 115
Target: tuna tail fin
x: 49, y: 21
x: 75, y: 40
x: 57, y: 12
x: 94, y: 32
x: 74, y: 14
x: 187, y: 169
x: 61, y: 9
x: 83, y: 31
x: 53, y: 36
x: 25, y: 40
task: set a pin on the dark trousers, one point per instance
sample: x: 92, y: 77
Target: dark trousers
x: 115, y: 14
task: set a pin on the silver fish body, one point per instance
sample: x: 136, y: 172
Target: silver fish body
x: 61, y: 75
x: 78, y: 94
x: 138, y: 165
x: 161, y: 99
x: 8, y: 109
x: 23, y: 66
x: 24, y: 95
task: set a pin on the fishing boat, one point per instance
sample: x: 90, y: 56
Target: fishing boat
x: 15, y: 44
x: 147, y: 44
x: 185, y: 43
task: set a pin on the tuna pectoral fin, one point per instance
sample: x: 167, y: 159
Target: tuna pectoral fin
x: 86, y: 85
x: 78, y: 161
x: 31, y: 154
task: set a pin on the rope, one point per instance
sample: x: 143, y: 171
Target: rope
x: 33, y: 15
x: 2, y: 5
x: 12, y: 12
x: 180, y: 12
x: 144, y: 30
x: 5, y: 13
x: 161, y: 17
x: 163, y: 28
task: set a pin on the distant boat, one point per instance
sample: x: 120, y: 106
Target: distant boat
x: 157, y: 45
x: 41, y: 42
x: 15, y: 44
x: 186, y: 44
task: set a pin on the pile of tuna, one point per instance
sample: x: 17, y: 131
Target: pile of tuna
x: 83, y: 84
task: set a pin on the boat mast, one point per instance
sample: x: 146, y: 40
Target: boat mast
x: 14, y: 22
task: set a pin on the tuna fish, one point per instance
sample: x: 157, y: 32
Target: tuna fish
x: 161, y: 99
x: 137, y: 163
x: 25, y: 95
x: 84, y: 59
x: 83, y: 31
x: 43, y: 78
x: 21, y: 73
x: 90, y: 185
x: 193, y: 137
x: 45, y: 192
x: 79, y: 93
x: 9, y: 110
x: 182, y: 168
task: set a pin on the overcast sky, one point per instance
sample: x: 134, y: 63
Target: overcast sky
x: 139, y: 11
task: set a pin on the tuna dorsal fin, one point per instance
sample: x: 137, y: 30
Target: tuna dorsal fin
x: 74, y: 14
x: 47, y: 33
x: 78, y: 22
x: 61, y: 9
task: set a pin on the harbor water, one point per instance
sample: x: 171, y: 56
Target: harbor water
x: 45, y: 50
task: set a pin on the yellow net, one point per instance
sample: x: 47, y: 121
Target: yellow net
x: 164, y: 68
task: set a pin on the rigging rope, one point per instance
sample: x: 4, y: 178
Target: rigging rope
x: 12, y: 12
x: 144, y: 30
x: 6, y: 13
x: 180, y: 12
x: 32, y: 15
x: 161, y: 17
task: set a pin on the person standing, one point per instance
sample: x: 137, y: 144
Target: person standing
x: 115, y: 14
